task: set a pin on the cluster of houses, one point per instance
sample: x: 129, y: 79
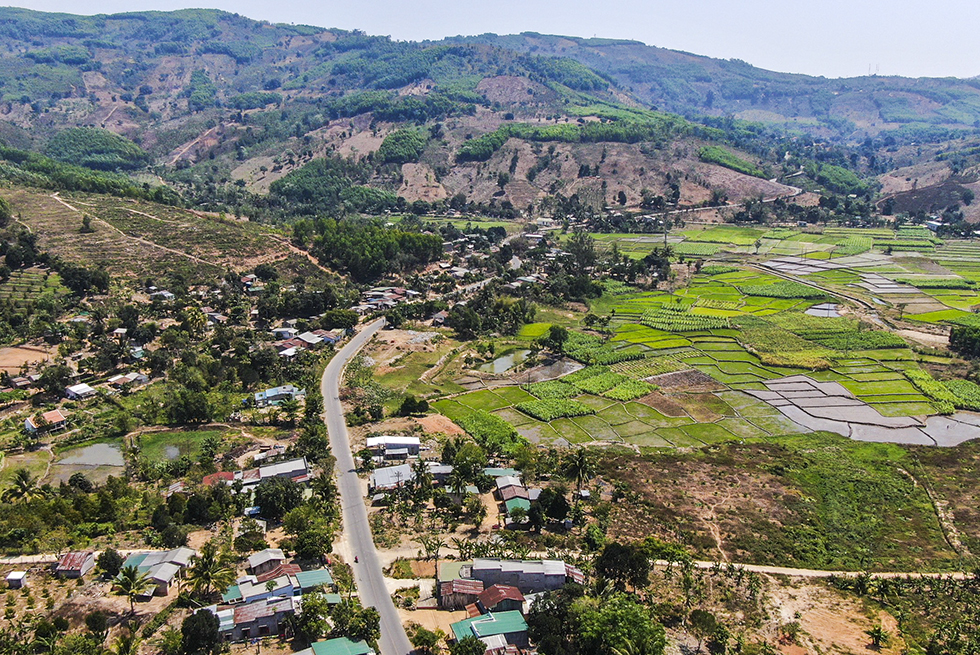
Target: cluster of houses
x: 162, y: 568
x: 496, y: 594
x: 290, y: 341
x: 379, y: 299
x: 297, y: 470
x: 260, y: 603
x: 513, y: 494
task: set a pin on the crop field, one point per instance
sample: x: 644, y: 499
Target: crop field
x: 27, y: 285
x: 137, y: 239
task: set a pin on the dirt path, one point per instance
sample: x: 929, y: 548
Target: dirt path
x: 132, y: 238
x: 190, y: 145
x: 817, y: 573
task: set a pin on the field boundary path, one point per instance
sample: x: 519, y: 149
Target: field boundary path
x: 368, y: 573
x: 817, y: 573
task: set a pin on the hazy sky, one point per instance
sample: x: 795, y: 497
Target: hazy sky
x: 834, y: 38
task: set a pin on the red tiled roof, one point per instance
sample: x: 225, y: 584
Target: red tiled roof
x: 498, y: 593
x: 282, y: 569
x: 460, y: 586
x: 215, y: 478
x: 74, y: 561
x: 54, y: 416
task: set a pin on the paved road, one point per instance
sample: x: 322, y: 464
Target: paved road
x: 367, y: 572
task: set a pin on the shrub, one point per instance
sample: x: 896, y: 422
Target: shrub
x: 722, y: 157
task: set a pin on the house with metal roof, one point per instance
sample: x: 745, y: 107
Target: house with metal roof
x: 509, y: 625
x: 75, y: 564
x: 390, y: 446
x: 162, y: 567
x: 312, y: 580
x: 500, y: 598
x: 339, y: 646
x: 530, y: 576
x: 79, y: 391
x: 259, y: 619
x: 458, y: 593
x: 265, y: 560
x: 276, y: 395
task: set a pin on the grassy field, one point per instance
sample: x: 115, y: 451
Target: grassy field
x: 171, y: 444
x: 812, y: 501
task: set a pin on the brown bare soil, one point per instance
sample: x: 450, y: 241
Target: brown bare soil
x: 13, y: 358
x: 663, y: 405
x: 437, y: 423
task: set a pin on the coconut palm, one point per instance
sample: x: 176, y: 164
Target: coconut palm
x: 580, y: 467
x: 131, y: 582
x: 23, y: 488
x: 210, y: 571
x: 432, y: 545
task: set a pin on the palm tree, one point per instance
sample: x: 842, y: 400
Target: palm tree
x: 457, y: 482
x: 431, y: 545
x: 126, y: 644
x: 879, y: 636
x: 132, y: 583
x: 290, y: 410
x: 210, y: 572
x: 580, y: 467
x: 24, y: 487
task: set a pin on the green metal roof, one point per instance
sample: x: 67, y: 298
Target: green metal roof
x: 233, y: 594
x: 500, y: 472
x: 135, y: 559
x: 341, y: 646
x: 518, y: 502
x: 317, y: 578
x: 494, y: 623
x: 449, y: 569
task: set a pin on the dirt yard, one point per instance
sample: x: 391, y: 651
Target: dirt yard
x: 14, y: 358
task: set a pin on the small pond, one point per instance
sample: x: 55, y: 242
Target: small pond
x: 505, y: 362
x: 98, y: 454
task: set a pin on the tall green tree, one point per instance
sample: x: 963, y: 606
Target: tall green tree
x: 210, y: 571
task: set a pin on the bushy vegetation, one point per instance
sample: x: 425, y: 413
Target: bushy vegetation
x: 629, y: 390
x: 202, y: 93
x: 718, y: 269
x: 549, y: 410
x: 836, y: 178
x: 97, y: 149
x: 722, y: 157
x: 401, y: 146
x: 367, y: 249
x: 32, y: 169
x: 330, y: 185
x: 945, y: 399
x: 493, y: 433
x: 255, y: 100
x: 601, y: 383
x: 552, y: 390
x: 967, y: 393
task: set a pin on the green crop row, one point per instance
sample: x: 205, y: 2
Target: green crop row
x: 937, y: 283
x: 967, y: 394
x: 552, y: 390
x: 681, y: 320
x: 945, y: 399
x: 781, y: 290
x: 549, y: 410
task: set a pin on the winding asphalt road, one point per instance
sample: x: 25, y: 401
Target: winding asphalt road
x: 367, y: 572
